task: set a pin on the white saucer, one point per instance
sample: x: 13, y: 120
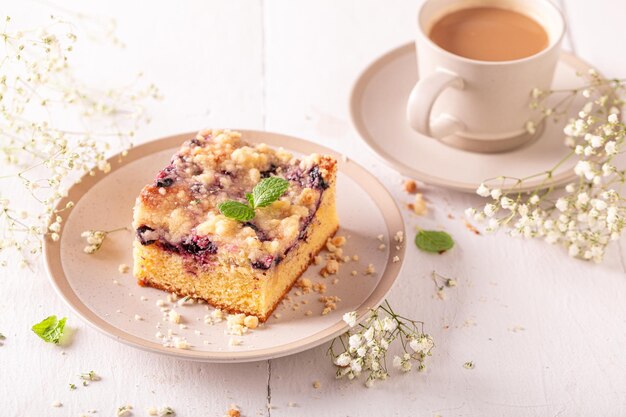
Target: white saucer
x: 378, y: 108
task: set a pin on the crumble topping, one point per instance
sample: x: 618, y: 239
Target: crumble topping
x: 179, y: 210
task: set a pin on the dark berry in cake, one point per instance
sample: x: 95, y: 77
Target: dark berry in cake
x: 146, y: 235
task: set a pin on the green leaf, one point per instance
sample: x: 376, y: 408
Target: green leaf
x: 50, y: 329
x: 236, y: 210
x: 268, y: 190
x: 250, y: 199
x: 433, y: 241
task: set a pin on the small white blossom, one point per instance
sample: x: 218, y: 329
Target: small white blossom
x: 536, y: 93
x: 496, y: 193
x: 343, y: 359
x: 355, y: 341
x: 583, y: 198
x: 350, y: 318
x: 610, y: 148
x: 596, y: 141
x: 389, y: 325
x: 483, y: 191
x: 356, y: 366
x: 562, y: 204
x: 489, y: 210
x: 507, y: 203
x: 598, y: 204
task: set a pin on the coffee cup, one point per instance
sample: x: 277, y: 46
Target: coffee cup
x: 474, y: 94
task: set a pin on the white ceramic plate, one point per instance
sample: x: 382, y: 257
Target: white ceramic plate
x: 105, y: 202
x: 378, y: 108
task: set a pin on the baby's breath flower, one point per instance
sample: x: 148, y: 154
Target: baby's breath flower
x: 95, y: 239
x: 350, y: 318
x: 496, y: 193
x: 364, y: 349
x: 41, y: 156
x: 610, y: 148
x: 587, y: 214
x: 534, y: 199
x: 490, y: 210
x: 507, y: 203
x: 483, y: 191
x: 536, y: 93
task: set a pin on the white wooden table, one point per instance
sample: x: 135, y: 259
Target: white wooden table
x: 546, y: 333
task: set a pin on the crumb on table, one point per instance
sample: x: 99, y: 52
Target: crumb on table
x: 418, y: 206
x: 233, y: 411
x: 410, y: 186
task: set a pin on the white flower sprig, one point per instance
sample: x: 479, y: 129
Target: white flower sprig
x: 364, y: 348
x: 591, y: 211
x: 41, y: 153
x: 95, y: 239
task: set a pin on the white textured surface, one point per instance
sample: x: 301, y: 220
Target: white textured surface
x: 288, y: 66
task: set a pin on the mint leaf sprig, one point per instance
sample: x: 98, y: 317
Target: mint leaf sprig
x: 50, y: 329
x: 263, y: 194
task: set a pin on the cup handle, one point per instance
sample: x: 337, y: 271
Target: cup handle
x: 422, y: 99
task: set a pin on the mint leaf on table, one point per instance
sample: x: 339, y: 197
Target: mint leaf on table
x: 263, y: 194
x: 50, y: 329
x: 433, y: 241
x: 268, y: 191
x: 236, y: 210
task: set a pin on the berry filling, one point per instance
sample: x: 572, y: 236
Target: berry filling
x: 166, y: 177
x: 146, y: 235
x: 264, y: 262
x: 198, y: 244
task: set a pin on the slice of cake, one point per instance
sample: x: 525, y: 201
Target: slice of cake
x: 186, y: 245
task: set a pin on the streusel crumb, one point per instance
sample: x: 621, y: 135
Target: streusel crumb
x: 233, y: 411
x: 410, y: 186
x: 419, y: 205
x: 330, y: 303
